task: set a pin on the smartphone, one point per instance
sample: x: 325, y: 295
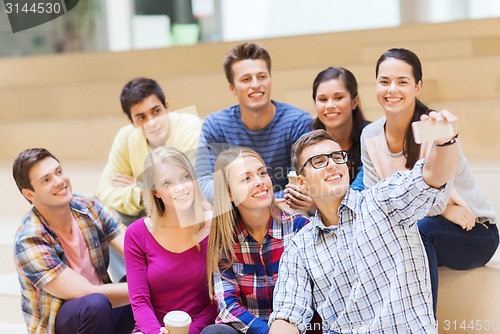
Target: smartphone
x: 429, y: 130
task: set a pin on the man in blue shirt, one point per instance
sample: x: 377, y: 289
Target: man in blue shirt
x: 266, y: 126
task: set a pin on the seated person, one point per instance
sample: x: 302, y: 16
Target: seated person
x: 268, y: 127
x: 166, y: 253
x: 61, y: 254
x: 144, y: 103
x: 151, y: 125
x: 360, y: 263
x: 337, y: 102
x: 247, y: 237
x: 460, y: 232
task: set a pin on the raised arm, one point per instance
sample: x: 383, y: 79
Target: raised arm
x: 442, y: 162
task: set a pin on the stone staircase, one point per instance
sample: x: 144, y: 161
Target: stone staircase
x: 461, y: 74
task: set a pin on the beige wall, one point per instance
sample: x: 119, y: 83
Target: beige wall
x: 51, y: 100
x: 69, y: 104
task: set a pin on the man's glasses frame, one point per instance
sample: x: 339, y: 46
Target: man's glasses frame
x: 339, y: 157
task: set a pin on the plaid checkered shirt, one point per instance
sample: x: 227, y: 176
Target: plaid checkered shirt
x: 370, y: 273
x: 244, y: 292
x: 39, y: 257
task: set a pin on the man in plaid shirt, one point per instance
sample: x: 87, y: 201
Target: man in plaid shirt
x: 61, y: 254
x: 360, y: 263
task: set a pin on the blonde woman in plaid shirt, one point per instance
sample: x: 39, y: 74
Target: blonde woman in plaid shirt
x: 247, y: 238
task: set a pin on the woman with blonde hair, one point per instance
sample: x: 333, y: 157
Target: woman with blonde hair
x: 248, y: 234
x: 165, y: 253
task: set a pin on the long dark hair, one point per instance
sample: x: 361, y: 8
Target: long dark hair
x: 358, y: 119
x: 411, y: 150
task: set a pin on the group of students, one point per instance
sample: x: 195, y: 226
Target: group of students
x: 214, y: 228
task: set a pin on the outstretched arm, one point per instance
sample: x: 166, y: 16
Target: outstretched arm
x: 442, y: 162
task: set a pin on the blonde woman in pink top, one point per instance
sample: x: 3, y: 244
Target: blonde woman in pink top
x: 460, y: 231
x: 166, y: 252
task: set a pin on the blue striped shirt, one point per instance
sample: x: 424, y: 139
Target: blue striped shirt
x: 273, y: 143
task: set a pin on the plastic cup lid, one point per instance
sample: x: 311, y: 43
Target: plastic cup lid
x: 177, y: 319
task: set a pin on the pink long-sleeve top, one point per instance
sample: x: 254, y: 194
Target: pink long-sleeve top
x: 161, y: 281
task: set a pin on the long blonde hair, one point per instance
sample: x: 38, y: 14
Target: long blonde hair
x: 156, y: 160
x: 226, y: 214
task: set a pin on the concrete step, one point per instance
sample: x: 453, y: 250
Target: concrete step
x: 13, y: 328
x: 468, y: 300
x: 10, y: 293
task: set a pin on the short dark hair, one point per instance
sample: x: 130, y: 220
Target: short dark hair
x: 306, y: 140
x: 25, y: 162
x: 242, y: 51
x: 137, y: 90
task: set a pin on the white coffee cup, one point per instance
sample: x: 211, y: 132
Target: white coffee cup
x: 292, y: 177
x: 177, y: 322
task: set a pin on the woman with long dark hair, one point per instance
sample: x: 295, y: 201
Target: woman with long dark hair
x: 337, y: 102
x: 460, y: 231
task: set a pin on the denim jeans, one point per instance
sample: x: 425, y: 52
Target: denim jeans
x: 448, y: 245
x: 93, y: 314
x: 219, y: 329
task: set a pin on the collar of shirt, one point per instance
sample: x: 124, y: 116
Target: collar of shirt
x: 274, y: 230
x: 349, y: 202
x: 74, y: 205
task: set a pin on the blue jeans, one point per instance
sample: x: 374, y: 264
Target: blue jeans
x: 219, y: 329
x: 93, y: 314
x: 448, y: 245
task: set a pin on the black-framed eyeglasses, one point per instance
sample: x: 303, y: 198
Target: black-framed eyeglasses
x: 321, y: 160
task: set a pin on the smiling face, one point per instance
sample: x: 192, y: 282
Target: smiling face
x: 334, y: 104
x: 151, y: 116
x: 175, y: 187
x: 396, y: 87
x: 51, y: 187
x: 250, y: 186
x: 251, y: 84
x: 331, y: 181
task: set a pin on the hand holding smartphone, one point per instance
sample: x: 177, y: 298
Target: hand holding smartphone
x: 430, y: 130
